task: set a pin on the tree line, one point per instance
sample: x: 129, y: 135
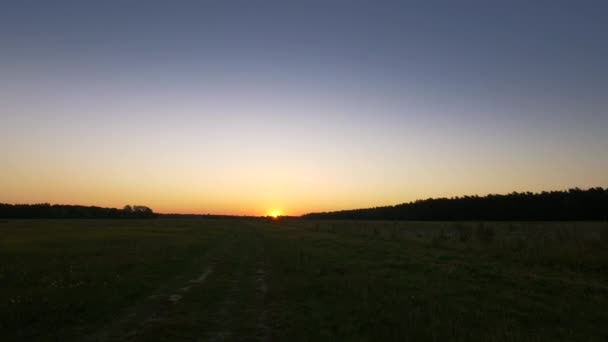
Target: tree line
x: 46, y: 210
x: 569, y: 205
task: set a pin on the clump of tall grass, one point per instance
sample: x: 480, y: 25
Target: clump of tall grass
x: 511, y: 228
x: 394, y: 232
x: 604, y: 233
x: 464, y: 232
x: 519, y: 244
x: 566, y: 234
x: 439, y: 239
x: 485, y: 233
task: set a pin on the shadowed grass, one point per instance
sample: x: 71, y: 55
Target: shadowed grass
x: 326, y: 280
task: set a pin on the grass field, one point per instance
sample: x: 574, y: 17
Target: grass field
x: 302, y: 280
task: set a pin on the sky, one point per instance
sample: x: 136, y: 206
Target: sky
x: 259, y: 107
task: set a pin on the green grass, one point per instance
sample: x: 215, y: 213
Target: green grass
x: 301, y: 280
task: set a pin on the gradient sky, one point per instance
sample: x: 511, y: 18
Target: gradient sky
x: 248, y: 107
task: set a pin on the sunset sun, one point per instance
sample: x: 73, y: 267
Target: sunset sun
x: 274, y: 213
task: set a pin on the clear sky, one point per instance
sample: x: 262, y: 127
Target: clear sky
x: 248, y: 107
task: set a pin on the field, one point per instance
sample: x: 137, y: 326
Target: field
x: 302, y: 280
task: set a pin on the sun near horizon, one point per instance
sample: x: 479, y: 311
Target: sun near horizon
x: 274, y: 213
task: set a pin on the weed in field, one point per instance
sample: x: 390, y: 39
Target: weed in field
x: 439, y: 239
x: 485, y: 233
x: 519, y: 244
x: 464, y: 232
x: 604, y: 234
x: 511, y: 228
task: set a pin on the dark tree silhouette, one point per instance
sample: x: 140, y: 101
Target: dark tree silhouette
x: 573, y: 204
x: 45, y: 210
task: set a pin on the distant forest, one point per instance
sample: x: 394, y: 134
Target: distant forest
x: 46, y: 210
x: 570, y: 205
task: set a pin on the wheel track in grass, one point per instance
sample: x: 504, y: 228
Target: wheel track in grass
x: 262, y: 329
x: 226, y: 301
x: 154, y: 309
x: 245, y: 298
